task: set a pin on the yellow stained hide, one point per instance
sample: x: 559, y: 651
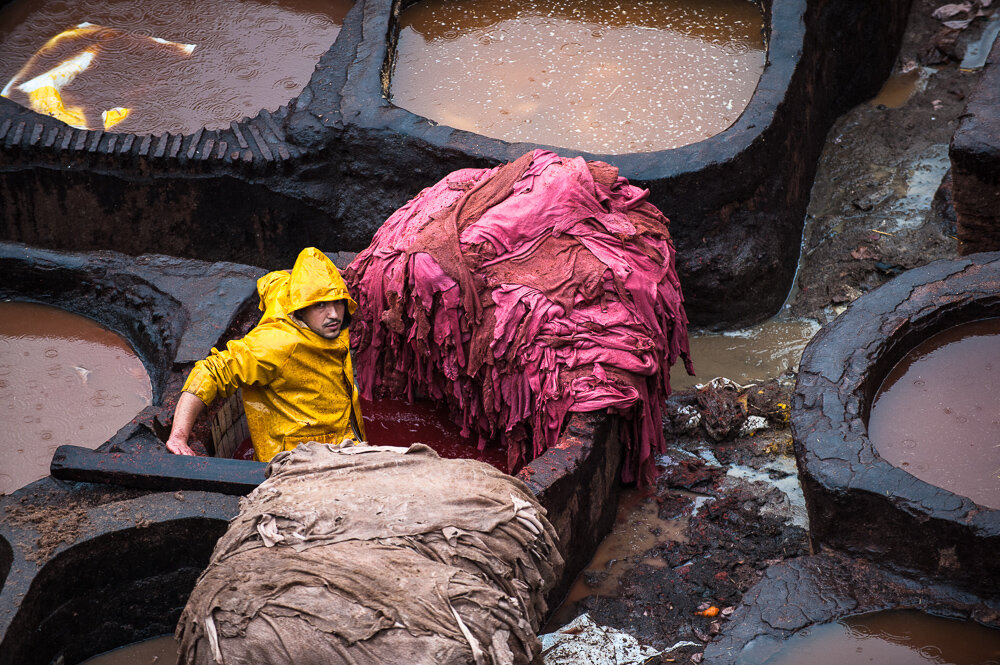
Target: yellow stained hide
x: 297, y: 385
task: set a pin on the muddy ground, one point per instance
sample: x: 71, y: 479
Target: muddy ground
x: 728, y: 504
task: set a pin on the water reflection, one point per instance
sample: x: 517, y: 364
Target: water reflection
x: 900, y: 637
x: 143, y: 66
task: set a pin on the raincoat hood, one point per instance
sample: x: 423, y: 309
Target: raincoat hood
x: 314, y: 279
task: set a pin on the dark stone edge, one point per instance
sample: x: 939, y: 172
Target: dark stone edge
x: 857, y: 502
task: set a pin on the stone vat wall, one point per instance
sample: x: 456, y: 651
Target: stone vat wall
x: 857, y: 502
x: 327, y: 169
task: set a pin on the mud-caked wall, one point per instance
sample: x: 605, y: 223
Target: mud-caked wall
x: 330, y: 167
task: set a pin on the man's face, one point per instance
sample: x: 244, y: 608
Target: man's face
x: 324, y: 318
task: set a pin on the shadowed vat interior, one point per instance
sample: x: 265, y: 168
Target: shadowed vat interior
x: 857, y: 501
x: 116, y: 588
x: 6, y: 559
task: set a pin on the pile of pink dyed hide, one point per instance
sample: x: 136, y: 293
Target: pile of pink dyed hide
x: 522, y: 293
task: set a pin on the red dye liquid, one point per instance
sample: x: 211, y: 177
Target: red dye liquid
x: 391, y: 422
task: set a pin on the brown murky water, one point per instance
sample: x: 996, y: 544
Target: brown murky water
x: 246, y: 55
x: 937, y: 414
x: 759, y: 353
x: 155, y: 651
x: 64, y: 379
x: 899, y: 637
x: 637, y: 529
x: 897, y: 90
x: 628, y: 76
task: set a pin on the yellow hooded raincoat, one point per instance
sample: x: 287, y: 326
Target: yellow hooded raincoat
x: 297, y: 385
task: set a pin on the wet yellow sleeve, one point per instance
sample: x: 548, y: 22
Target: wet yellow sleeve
x: 255, y: 359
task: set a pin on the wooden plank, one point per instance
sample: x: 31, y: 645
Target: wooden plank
x: 157, y: 471
x: 283, y: 152
x: 223, y: 147
x: 261, y: 143
x: 4, y: 128
x: 50, y: 138
x: 144, y: 146
x: 81, y: 139
x: 206, y: 151
x: 127, y: 143
x: 112, y: 141
x: 67, y: 138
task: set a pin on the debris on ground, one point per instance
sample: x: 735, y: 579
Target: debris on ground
x: 583, y: 641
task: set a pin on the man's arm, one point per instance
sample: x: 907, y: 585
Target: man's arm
x: 189, y: 407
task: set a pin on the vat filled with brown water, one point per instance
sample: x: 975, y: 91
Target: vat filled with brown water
x: 900, y: 637
x: 64, y: 379
x: 937, y: 413
x: 895, y: 421
x: 148, y: 67
x: 636, y: 76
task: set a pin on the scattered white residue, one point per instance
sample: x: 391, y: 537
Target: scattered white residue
x: 786, y: 480
x: 698, y: 502
x: 583, y: 641
x: 753, y: 424
x: 925, y: 176
x: 709, y: 457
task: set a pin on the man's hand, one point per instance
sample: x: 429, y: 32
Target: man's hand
x: 179, y: 446
x: 189, y: 407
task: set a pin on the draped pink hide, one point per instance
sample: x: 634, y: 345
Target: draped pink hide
x: 520, y: 294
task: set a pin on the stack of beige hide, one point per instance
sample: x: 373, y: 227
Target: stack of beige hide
x: 367, y: 554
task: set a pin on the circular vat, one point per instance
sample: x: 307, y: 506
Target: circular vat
x: 141, y: 67
x: 85, y: 347
x: 635, y: 76
x: 64, y: 380
x: 883, y: 503
x: 116, y: 588
x: 901, y: 637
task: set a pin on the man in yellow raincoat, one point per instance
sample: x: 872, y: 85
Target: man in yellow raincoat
x: 294, y: 367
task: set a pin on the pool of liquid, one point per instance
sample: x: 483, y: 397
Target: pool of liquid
x: 937, y: 413
x: 64, y: 379
x: 638, y: 528
x: 174, y: 66
x: 899, y: 637
x: 758, y: 353
x: 154, y: 651
x: 612, y: 78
